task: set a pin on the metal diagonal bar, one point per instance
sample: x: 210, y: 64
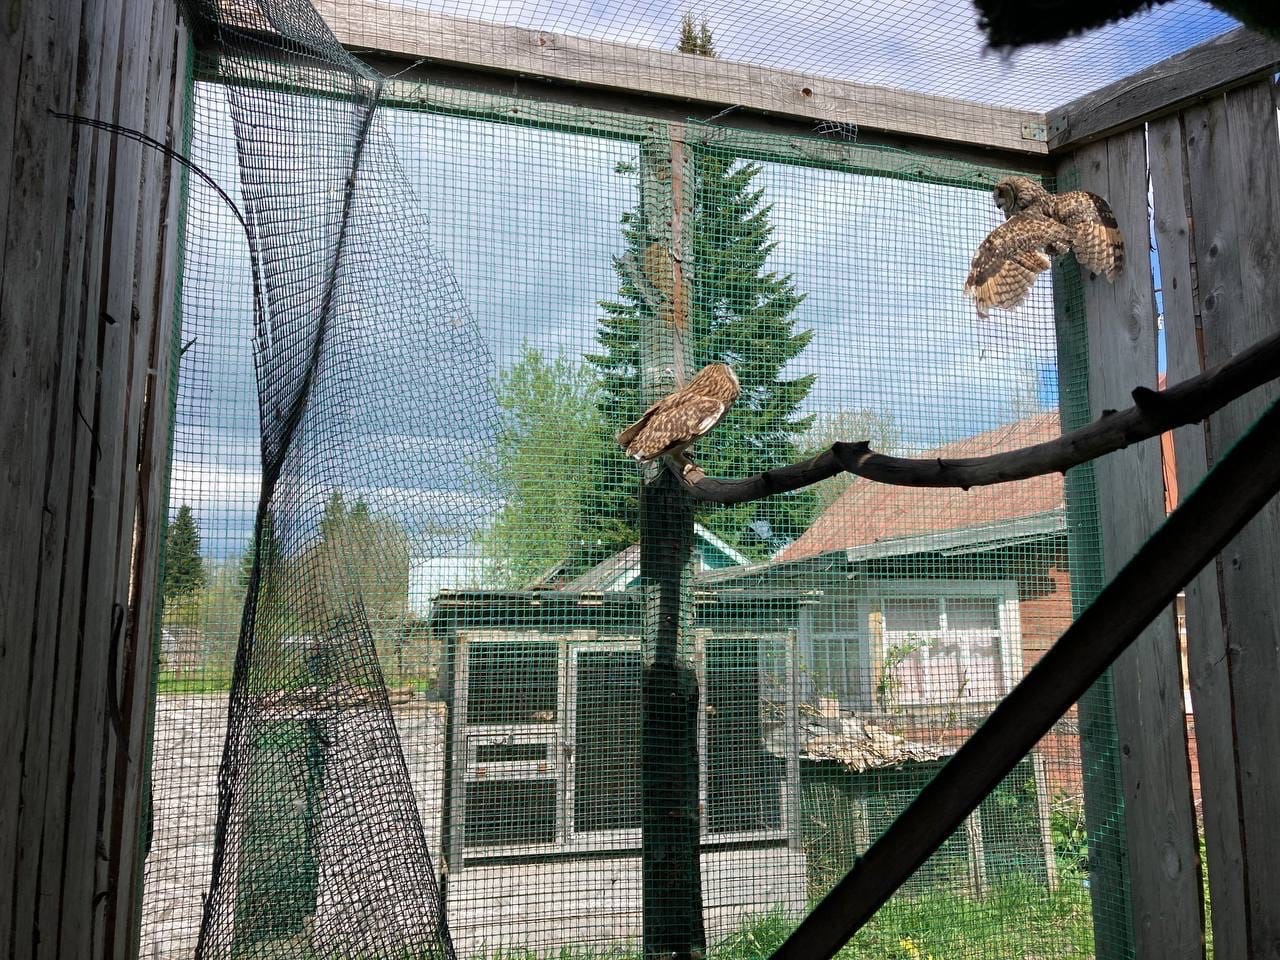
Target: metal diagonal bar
x: 1236, y: 489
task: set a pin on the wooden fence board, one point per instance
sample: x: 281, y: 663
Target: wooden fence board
x: 1163, y: 870
x: 72, y: 928
x: 1234, y: 156
x: 154, y: 463
x: 38, y: 179
x: 77, y: 370
x: 137, y: 569
x: 114, y: 416
x: 66, y: 499
x: 1207, y: 659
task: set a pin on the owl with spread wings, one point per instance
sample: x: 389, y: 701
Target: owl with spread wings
x: 1039, y: 225
x: 678, y: 419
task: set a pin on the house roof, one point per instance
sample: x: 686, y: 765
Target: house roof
x: 621, y: 570
x: 869, y: 513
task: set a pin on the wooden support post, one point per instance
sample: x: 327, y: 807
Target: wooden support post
x: 976, y: 852
x: 1099, y: 755
x: 671, y: 819
x: 1044, y: 821
x: 82, y: 410
x: 1164, y: 879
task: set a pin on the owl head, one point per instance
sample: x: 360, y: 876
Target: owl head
x: 1016, y: 194
x: 715, y: 380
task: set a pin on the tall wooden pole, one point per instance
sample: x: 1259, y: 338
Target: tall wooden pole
x: 671, y: 821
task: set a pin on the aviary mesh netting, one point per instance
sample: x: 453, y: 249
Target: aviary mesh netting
x: 437, y: 676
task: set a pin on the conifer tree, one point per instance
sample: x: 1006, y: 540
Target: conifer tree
x: 184, y: 573
x: 740, y: 313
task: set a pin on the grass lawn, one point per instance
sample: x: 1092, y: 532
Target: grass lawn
x: 1015, y: 921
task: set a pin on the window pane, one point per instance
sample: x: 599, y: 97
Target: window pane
x: 911, y: 613
x: 606, y: 777
x: 744, y: 780
x: 973, y: 613
x: 505, y: 812
x: 513, y: 682
x: 985, y: 678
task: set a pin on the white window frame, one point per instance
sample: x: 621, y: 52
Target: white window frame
x: 1009, y: 625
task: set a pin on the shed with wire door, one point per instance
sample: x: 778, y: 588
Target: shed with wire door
x: 544, y: 768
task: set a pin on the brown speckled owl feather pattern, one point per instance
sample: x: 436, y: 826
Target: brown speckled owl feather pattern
x: 1040, y: 225
x: 678, y: 419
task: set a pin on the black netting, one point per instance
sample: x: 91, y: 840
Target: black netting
x: 375, y: 407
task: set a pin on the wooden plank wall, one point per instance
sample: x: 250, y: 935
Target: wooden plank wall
x: 1164, y: 878
x: 88, y: 256
x: 1215, y: 170
x: 1214, y: 167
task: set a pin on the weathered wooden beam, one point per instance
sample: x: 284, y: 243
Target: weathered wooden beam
x: 1243, y: 483
x: 37, y: 349
x: 719, y: 84
x: 1231, y: 60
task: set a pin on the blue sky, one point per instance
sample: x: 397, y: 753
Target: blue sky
x: 525, y: 222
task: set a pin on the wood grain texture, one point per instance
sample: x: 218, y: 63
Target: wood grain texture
x: 1207, y: 655
x: 115, y: 415
x: 1233, y: 157
x: 143, y: 512
x: 75, y: 263
x: 37, y: 188
x: 1164, y: 873
x: 416, y: 33
x: 1235, y: 58
x: 154, y: 463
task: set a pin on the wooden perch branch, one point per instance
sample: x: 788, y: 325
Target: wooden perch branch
x: 1231, y: 493
x: 1152, y: 414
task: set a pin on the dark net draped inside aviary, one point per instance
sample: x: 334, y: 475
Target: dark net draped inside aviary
x: 375, y: 411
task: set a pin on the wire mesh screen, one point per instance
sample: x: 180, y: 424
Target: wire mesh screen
x: 935, y: 47
x: 459, y: 630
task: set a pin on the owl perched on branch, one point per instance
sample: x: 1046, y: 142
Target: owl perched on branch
x: 680, y: 418
x: 1039, y: 225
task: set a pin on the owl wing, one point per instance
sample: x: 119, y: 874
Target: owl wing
x: 628, y: 434
x: 1011, y: 257
x: 1095, y: 235
x: 672, y: 422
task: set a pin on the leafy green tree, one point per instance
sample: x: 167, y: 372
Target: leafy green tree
x: 549, y: 448
x: 740, y: 313
x: 184, y: 572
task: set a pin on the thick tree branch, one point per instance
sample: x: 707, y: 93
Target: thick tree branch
x: 1238, y: 487
x: 1153, y: 413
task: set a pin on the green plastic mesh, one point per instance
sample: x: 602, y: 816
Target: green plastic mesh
x: 480, y: 641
